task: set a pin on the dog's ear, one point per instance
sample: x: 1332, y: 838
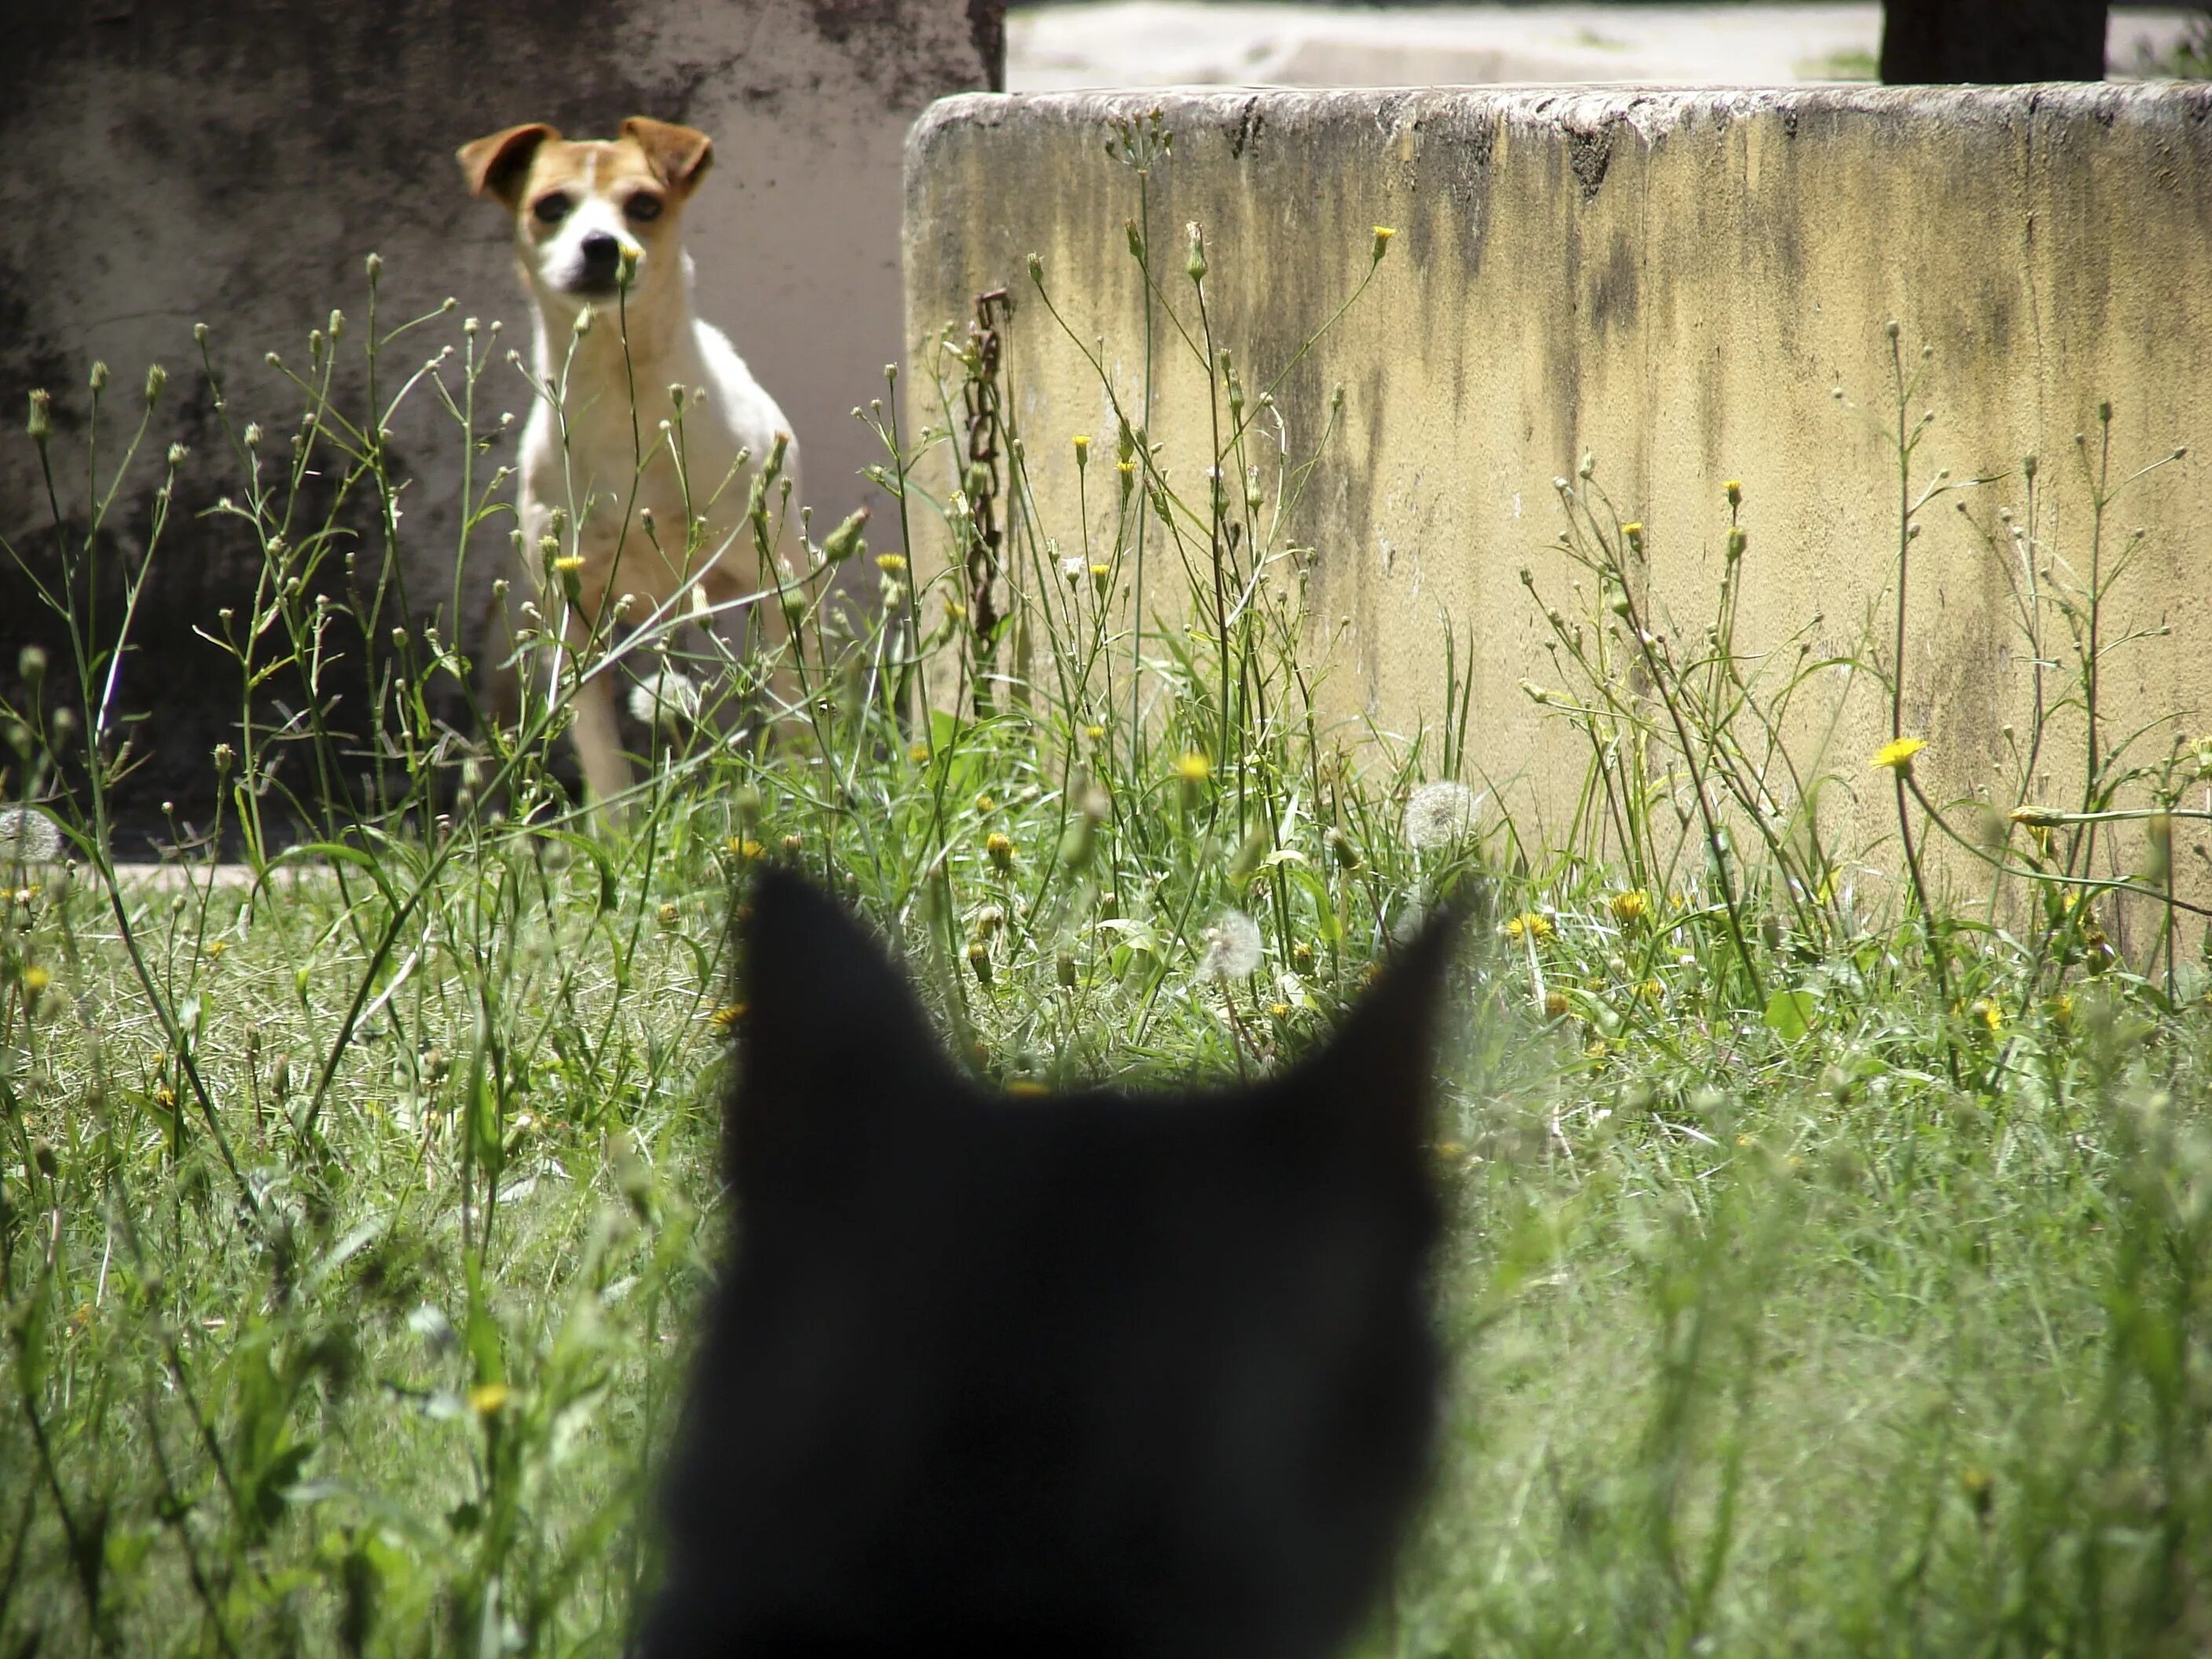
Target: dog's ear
x: 681, y: 156
x: 497, y: 166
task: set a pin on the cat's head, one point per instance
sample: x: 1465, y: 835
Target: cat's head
x: 1098, y: 1373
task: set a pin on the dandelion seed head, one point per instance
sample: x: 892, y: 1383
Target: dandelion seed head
x: 1232, y: 947
x: 669, y: 699
x: 28, y: 837
x: 1440, y: 814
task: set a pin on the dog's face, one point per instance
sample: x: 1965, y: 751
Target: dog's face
x: 581, y: 208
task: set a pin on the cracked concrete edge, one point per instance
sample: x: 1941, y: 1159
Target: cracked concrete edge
x: 1651, y: 112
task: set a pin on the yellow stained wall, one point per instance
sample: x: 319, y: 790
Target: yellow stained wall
x: 1672, y: 282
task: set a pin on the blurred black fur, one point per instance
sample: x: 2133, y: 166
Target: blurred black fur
x: 1097, y: 1374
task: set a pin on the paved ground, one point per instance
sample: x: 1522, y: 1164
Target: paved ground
x: 1133, y: 43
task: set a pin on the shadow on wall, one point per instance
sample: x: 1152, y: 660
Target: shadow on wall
x: 179, y: 164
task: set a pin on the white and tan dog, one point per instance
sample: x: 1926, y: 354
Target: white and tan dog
x: 599, y: 224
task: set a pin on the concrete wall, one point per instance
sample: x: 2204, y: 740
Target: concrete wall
x: 1671, y: 281
x: 174, y: 162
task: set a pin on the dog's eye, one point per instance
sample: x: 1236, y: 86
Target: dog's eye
x: 643, y: 206
x: 550, y: 210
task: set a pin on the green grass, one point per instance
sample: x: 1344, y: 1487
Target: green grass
x: 1828, y: 1275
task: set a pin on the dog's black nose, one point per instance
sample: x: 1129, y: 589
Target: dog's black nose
x: 601, y: 254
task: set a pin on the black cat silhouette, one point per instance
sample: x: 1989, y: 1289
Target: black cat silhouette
x: 1097, y: 1374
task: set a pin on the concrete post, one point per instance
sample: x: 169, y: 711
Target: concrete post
x: 1670, y: 282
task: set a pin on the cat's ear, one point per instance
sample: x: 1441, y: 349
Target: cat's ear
x: 831, y: 1038
x: 1375, y: 1076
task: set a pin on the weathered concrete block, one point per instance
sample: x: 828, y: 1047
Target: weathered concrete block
x: 175, y: 162
x: 1671, y: 282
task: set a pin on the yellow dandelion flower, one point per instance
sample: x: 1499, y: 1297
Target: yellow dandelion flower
x: 985, y: 804
x: 1733, y: 487
x: 728, y: 1014
x: 1987, y: 1014
x: 1194, y: 767
x: 569, y: 563
x: 1001, y: 848
x: 890, y: 564
x: 1631, y: 906
x: 1896, y: 755
x: 36, y: 979
x: 486, y: 1399
x: 1382, y: 235
x: 669, y: 915
x: 1555, y: 1004
x: 217, y: 946
x: 1529, y: 924
x: 919, y: 754
x: 1278, y: 1011
x: 1651, y: 990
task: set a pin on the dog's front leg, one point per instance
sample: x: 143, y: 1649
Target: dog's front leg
x: 594, y: 729
x: 598, y: 743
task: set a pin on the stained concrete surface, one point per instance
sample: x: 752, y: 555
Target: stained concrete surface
x: 1670, y: 283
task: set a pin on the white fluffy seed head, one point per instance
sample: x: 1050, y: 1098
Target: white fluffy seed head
x: 1232, y: 947
x: 1441, y: 815
x: 28, y: 837
x: 668, y: 699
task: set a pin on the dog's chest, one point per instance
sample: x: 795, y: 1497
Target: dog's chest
x: 619, y: 464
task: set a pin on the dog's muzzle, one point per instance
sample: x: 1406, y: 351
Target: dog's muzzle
x: 600, y: 260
